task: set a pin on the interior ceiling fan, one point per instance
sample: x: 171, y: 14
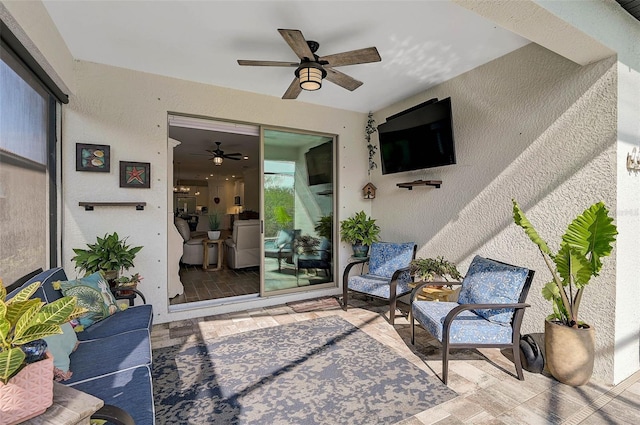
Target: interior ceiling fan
x: 219, y: 155
x: 313, y: 68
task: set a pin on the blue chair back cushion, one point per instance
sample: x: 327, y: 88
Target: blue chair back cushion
x: 46, y: 292
x: 386, y: 257
x: 489, y: 281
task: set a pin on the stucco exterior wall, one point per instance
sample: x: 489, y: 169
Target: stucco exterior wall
x: 128, y: 111
x: 532, y: 126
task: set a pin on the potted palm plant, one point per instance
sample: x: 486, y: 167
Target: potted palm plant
x: 26, y: 377
x: 360, y: 231
x: 569, y: 342
x: 214, y: 225
x: 109, y: 255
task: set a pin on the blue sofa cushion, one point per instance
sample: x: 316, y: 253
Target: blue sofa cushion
x: 467, y: 327
x: 129, y: 389
x: 46, y: 292
x: 108, y: 355
x: 491, y: 282
x: 133, y: 318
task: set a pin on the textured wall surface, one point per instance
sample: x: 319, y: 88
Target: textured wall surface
x: 128, y: 111
x: 531, y: 126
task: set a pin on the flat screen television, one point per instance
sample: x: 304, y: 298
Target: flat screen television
x: 319, y: 161
x: 421, y: 137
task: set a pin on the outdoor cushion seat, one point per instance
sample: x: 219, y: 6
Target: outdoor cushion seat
x: 130, y: 389
x: 133, y: 318
x: 109, y: 355
x: 316, y: 258
x: 388, y: 276
x: 488, y: 313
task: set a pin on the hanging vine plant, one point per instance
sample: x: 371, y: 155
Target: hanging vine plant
x: 369, y: 130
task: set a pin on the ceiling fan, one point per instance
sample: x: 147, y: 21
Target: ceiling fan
x: 219, y: 155
x: 313, y: 68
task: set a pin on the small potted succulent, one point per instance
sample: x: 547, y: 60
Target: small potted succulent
x: 434, y: 269
x: 361, y: 231
x: 24, y: 321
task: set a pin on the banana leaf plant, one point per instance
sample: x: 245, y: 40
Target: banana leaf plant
x: 587, y: 240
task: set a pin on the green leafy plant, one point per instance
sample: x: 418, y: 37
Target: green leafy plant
x: 108, y: 253
x: 214, y: 220
x: 24, y: 320
x: 369, y: 129
x: 324, y: 228
x: 426, y: 269
x: 306, y: 243
x: 587, y: 240
x: 359, y: 229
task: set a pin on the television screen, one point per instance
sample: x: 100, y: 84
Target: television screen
x: 320, y: 164
x: 421, y: 137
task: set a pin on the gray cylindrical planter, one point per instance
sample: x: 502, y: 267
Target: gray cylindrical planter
x: 569, y: 352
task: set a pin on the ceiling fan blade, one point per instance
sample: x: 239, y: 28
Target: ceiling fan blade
x: 233, y: 154
x: 267, y: 63
x: 293, y: 91
x: 231, y: 157
x: 298, y: 44
x: 367, y: 55
x: 343, y: 80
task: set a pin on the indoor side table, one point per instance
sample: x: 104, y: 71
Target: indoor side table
x: 205, y: 260
x: 70, y: 407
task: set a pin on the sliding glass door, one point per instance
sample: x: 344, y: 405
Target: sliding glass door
x: 298, y: 204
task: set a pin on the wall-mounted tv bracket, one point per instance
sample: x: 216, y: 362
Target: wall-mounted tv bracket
x: 410, y: 185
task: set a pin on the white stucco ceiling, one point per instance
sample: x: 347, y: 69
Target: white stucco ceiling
x: 422, y: 43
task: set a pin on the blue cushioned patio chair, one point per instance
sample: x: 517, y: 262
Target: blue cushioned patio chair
x: 281, y: 247
x: 488, y: 313
x: 317, y: 258
x: 388, y: 277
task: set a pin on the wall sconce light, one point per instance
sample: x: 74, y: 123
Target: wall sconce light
x: 217, y: 160
x: 633, y: 160
x: 369, y: 191
x: 310, y: 75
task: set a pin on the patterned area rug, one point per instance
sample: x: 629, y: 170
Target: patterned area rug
x: 320, y: 371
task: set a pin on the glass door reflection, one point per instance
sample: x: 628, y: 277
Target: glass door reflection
x: 298, y: 206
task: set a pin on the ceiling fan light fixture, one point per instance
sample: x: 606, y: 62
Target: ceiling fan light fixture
x: 310, y: 75
x: 217, y: 160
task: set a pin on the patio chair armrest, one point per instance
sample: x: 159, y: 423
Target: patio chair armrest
x: 345, y: 275
x: 113, y: 414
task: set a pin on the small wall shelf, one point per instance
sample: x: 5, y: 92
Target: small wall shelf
x: 88, y: 206
x: 410, y: 185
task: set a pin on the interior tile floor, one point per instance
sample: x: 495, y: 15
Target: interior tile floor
x: 201, y: 285
x: 484, y: 379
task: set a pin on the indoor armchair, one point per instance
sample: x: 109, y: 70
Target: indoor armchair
x: 388, y: 277
x: 488, y: 313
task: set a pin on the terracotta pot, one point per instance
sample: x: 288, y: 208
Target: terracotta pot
x: 569, y: 352
x: 28, y: 394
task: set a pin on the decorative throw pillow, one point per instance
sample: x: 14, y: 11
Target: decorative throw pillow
x: 61, y: 346
x: 93, y: 293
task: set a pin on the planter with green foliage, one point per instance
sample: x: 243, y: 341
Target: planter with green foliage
x: 108, y: 254
x: 24, y: 380
x: 431, y: 269
x: 360, y: 231
x: 214, y: 225
x: 569, y: 342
